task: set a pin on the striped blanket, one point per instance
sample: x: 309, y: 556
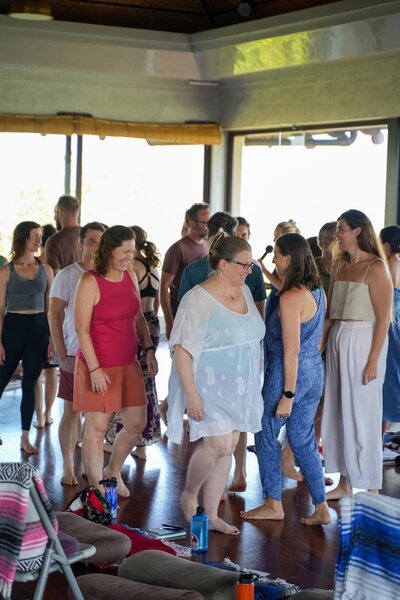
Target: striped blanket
x: 368, y: 563
x: 22, y: 536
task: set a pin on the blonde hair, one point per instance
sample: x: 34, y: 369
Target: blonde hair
x: 288, y: 226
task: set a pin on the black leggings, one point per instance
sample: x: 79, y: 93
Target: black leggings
x: 25, y: 337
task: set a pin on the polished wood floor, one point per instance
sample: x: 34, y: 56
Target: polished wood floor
x: 286, y: 549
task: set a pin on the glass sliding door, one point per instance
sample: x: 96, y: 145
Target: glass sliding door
x: 310, y: 177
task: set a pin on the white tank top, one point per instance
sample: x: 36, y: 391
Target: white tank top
x: 351, y: 300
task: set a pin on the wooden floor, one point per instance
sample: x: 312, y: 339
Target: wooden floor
x: 286, y: 549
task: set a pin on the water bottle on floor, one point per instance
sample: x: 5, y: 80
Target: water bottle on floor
x: 199, y: 531
x: 245, y: 586
x: 111, y: 494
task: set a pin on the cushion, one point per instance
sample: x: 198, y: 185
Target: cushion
x: 313, y: 594
x: 69, y: 544
x: 159, y: 568
x: 111, y: 546
x: 109, y: 587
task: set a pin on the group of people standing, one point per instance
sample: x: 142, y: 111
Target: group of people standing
x: 105, y: 330
x: 94, y: 309
x: 210, y: 347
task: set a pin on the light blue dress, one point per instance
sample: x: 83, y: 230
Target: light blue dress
x: 300, y: 424
x: 391, y: 386
x: 226, y: 351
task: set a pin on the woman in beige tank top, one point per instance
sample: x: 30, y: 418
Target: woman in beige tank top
x: 358, y: 317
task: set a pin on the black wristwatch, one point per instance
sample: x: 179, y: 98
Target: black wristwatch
x: 288, y: 394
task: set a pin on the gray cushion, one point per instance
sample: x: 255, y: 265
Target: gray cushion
x: 165, y: 570
x: 110, y: 545
x: 109, y: 587
x: 313, y: 594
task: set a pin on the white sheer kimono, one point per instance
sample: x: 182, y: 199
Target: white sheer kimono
x: 226, y: 351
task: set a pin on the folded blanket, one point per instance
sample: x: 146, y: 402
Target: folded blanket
x: 22, y: 536
x: 368, y: 563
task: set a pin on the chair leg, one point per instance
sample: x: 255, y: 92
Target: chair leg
x: 44, y: 571
x: 73, y: 584
x: 67, y: 570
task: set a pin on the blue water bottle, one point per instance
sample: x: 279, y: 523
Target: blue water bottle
x: 111, y: 494
x: 199, y: 531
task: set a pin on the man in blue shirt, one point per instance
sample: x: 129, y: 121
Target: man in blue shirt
x: 200, y: 270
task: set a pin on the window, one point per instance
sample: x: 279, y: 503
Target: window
x: 310, y: 177
x: 32, y: 179
x: 128, y: 182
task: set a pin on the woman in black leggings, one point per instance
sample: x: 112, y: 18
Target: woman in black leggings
x: 24, y: 332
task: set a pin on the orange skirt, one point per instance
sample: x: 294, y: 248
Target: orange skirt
x: 125, y: 390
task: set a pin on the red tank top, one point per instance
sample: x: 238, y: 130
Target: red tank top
x: 113, y: 328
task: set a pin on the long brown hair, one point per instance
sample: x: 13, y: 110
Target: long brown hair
x: 148, y: 250
x: 302, y: 269
x: 367, y: 241
x: 113, y: 237
x: 20, y: 237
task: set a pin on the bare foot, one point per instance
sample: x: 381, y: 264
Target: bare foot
x: 163, y: 408
x: 121, y: 487
x: 264, y: 512
x: 218, y: 524
x: 339, y: 492
x: 39, y: 424
x: 68, y: 478
x: 238, y: 484
x: 49, y: 421
x: 288, y: 468
x: 107, y: 448
x: 29, y: 448
x: 139, y: 452
x: 321, y: 516
x: 189, y: 504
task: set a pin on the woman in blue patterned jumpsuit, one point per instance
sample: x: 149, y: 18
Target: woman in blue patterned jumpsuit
x: 293, y: 380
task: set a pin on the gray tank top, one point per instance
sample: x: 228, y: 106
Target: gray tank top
x: 26, y: 294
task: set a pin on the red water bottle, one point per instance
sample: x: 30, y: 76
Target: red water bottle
x: 245, y: 586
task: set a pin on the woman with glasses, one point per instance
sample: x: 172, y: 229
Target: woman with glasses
x: 359, y: 308
x: 215, y: 373
x: 293, y: 380
x: 24, y: 290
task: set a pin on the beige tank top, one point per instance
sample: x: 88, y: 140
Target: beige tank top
x: 351, y: 300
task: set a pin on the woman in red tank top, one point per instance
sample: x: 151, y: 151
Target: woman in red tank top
x: 108, y: 378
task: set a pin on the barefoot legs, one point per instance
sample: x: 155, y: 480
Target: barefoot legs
x: 209, y: 467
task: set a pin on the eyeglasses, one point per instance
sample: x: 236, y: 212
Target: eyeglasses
x: 245, y: 266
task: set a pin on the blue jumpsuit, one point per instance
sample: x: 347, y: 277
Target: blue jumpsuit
x: 300, y: 424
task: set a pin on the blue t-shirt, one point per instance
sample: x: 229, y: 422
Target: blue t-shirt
x: 199, y: 271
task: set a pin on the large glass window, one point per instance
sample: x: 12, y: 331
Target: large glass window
x: 32, y: 179
x: 125, y: 181
x: 310, y: 177
x: 129, y: 182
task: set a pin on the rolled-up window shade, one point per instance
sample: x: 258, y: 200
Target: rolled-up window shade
x: 175, y: 133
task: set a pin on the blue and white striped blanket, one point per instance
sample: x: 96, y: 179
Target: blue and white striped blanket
x: 368, y: 563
